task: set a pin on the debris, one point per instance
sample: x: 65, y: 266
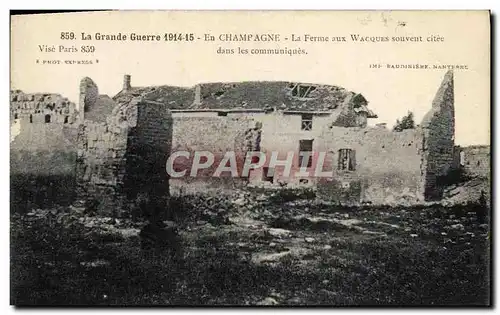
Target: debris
x: 309, y: 239
x: 268, y: 301
x: 457, y: 226
x: 273, y: 257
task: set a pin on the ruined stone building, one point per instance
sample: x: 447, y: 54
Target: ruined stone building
x: 474, y: 160
x: 122, y: 142
x: 369, y: 164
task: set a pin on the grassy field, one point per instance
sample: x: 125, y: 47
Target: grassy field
x: 260, y: 252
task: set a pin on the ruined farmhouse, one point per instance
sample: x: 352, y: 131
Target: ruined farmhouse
x: 114, y: 149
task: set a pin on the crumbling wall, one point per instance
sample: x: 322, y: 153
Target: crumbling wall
x: 89, y: 93
x: 124, y: 159
x: 439, y: 128
x: 41, y: 108
x: 95, y: 107
x: 148, y: 148
x: 387, y: 166
x: 476, y: 160
x: 100, y: 167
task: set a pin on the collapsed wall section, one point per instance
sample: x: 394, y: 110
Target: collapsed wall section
x: 41, y: 108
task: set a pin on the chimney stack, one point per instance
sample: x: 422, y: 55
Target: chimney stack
x: 126, y: 83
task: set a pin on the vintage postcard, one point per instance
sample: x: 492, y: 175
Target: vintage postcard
x: 250, y: 158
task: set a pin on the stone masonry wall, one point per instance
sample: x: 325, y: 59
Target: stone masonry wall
x: 387, y: 166
x: 101, y: 166
x: 217, y: 135
x: 476, y: 160
x: 41, y: 108
x: 148, y: 148
x: 439, y: 127
x: 119, y: 162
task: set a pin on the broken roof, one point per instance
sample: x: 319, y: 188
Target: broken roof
x: 245, y: 95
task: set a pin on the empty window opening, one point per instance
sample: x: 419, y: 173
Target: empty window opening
x: 47, y: 118
x: 305, y: 152
x: 268, y: 174
x: 347, y: 160
x: 66, y: 119
x: 15, y: 116
x: 478, y: 163
x: 31, y: 119
x: 307, y: 122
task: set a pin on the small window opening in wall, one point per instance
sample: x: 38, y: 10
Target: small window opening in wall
x: 478, y: 163
x: 15, y: 116
x: 31, y: 119
x: 347, y: 160
x: 307, y: 122
x: 221, y: 113
x: 305, y: 152
x: 66, y: 119
x: 267, y: 175
x: 47, y: 118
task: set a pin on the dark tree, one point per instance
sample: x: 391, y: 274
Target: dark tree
x: 406, y: 122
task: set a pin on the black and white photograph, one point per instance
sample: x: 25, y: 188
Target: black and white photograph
x: 261, y: 158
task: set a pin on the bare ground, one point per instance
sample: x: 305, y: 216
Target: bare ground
x: 255, y: 250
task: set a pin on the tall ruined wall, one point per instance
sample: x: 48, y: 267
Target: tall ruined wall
x: 42, y: 164
x: 439, y: 128
x: 89, y: 93
x: 148, y: 147
x: 387, y: 166
x: 217, y: 135
x: 41, y: 108
x: 100, y: 166
x: 123, y: 158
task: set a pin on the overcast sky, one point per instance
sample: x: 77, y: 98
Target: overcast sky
x: 391, y: 92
